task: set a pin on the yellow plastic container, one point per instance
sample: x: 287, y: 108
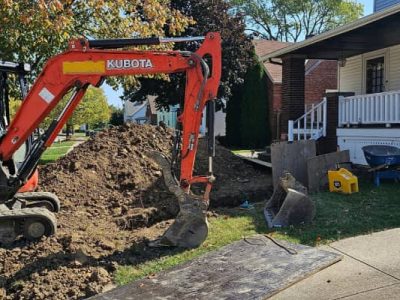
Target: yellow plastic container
x: 342, y: 181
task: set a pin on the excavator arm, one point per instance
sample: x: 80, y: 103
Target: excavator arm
x: 89, y: 63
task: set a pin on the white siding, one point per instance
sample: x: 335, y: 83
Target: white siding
x: 350, y: 76
x: 394, y: 70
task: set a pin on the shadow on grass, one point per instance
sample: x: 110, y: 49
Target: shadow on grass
x: 340, y: 216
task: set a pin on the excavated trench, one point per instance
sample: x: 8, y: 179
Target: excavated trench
x: 113, y: 200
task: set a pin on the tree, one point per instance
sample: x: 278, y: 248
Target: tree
x: 33, y: 31
x: 237, y: 52
x: 293, y: 20
x: 92, y: 109
x: 254, y: 131
x: 117, y: 116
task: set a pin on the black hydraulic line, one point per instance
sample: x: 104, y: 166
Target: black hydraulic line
x: 6, y: 103
x: 3, y: 99
x: 210, y: 122
x: 121, y: 43
x: 210, y: 118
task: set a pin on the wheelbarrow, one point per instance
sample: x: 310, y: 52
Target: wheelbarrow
x: 384, y: 162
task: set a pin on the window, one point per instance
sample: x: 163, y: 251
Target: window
x: 375, y: 77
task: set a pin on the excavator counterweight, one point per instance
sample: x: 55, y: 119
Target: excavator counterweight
x: 89, y: 62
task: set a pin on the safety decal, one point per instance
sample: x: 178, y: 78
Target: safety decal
x: 46, y: 95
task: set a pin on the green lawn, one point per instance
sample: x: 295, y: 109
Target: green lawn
x: 55, y: 151
x: 337, y: 216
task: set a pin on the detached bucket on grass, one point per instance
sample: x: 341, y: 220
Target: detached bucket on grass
x: 289, y: 204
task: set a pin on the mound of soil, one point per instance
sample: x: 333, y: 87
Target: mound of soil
x: 113, y: 200
x: 236, y: 179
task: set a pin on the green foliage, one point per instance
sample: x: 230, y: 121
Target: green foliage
x: 92, y: 109
x: 117, y: 116
x: 293, y: 20
x: 247, y: 112
x: 237, y: 52
x: 33, y: 31
x: 254, y: 131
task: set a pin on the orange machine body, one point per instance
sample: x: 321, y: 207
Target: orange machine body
x: 82, y: 66
x: 32, y: 183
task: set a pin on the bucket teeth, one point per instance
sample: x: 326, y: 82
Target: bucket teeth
x: 190, y: 227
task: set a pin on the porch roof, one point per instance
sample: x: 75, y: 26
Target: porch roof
x: 376, y: 31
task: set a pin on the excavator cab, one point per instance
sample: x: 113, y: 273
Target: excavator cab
x: 19, y: 70
x: 25, y: 200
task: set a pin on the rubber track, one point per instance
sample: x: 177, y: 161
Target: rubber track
x: 27, y: 213
x: 37, y: 196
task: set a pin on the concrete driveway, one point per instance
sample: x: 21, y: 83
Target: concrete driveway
x: 370, y: 269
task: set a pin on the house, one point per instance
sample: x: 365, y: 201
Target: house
x: 168, y: 116
x: 135, y: 112
x: 141, y: 112
x: 320, y: 76
x: 366, y: 108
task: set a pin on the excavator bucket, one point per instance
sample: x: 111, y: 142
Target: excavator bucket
x: 190, y: 227
x: 289, y: 204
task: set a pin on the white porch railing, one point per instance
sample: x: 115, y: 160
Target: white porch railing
x: 311, y: 125
x: 380, y: 108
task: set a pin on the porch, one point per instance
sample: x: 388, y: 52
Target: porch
x: 371, y: 119
x: 382, y: 109
x: 368, y: 112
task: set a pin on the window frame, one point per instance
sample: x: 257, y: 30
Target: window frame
x: 372, y: 55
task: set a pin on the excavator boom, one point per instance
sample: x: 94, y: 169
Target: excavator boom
x: 89, y: 63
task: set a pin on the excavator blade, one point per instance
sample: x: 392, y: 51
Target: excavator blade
x: 190, y: 227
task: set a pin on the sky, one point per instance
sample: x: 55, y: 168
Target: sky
x: 113, y: 97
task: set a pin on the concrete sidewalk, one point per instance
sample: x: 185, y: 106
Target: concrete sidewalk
x: 370, y: 269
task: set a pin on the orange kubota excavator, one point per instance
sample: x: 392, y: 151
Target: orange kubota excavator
x: 89, y: 62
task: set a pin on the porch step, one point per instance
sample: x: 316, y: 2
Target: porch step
x: 312, y: 125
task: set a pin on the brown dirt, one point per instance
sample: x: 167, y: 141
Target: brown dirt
x: 113, y: 201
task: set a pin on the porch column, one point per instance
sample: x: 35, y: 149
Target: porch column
x: 293, y: 82
x: 329, y: 143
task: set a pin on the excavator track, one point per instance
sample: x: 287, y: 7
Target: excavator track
x: 31, y: 223
x: 39, y: 199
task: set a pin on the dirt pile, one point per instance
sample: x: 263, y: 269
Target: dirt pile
x: 236, y: 179
x: 113, y: 200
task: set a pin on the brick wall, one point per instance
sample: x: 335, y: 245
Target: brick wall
x: 320, y: 78
x: 275, y: 103
x: 293, y: 83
